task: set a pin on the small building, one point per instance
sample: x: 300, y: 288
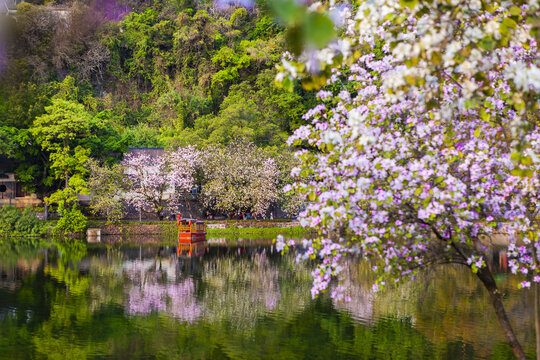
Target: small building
x: 11, y: 191
x: 152, y: 152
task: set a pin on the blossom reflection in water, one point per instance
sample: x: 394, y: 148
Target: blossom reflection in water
x: 178, y: 300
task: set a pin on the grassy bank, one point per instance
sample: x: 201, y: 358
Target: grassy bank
x: 258, y: 231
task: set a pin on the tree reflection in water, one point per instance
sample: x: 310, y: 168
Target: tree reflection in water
x: 241, y: 288
x: 146, y: 294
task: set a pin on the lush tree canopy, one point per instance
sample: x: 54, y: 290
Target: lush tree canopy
x: 156, y: 183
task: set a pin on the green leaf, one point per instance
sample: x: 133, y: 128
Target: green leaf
x: 515, y: 11
x: 526, y: 160
x: 506, y: 24
x: 436, y: 57
x: 288, y: 85
x: 484, y: 115
x: 295, y: 39
x: 318, y: 29
x: 287, y: 11
x: 522, y: 172
x: 487, y: 43
x: 411, y: 80
x: 409, y: 3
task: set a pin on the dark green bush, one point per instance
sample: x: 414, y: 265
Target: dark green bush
x: 14, y: 222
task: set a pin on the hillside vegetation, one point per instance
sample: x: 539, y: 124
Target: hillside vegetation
x: 139, y: 74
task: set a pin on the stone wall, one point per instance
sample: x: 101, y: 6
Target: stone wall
x: 133, y: 232
x: 22, y: 202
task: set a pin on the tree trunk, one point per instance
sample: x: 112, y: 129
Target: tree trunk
x: 188, y: 207
x: 537, y: 318
x: 46, y: 205
x: 66, y: 171
x: 486, y: 277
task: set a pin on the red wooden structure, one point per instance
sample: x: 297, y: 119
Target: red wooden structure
x: 191, y: 235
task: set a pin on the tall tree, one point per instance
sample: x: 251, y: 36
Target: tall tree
x: 59, y: 131
x: 106, y: 185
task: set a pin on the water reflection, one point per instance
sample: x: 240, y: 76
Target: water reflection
x: 234, y: 283
x: 361, y: 306
x: 177, y: 300
x: 240, y: 300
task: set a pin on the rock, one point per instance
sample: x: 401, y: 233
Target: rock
x: 93, y: 235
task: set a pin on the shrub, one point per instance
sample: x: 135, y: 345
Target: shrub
x: 72, y: 221
x: 14, y: 222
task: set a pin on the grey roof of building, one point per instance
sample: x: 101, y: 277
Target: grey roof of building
x: 148, y: 151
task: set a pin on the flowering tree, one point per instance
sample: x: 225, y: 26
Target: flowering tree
x: 291, y: 203
x: 156, y: 182
x: 239, y: 177
x: 106, y: 184
x: 428, y: 140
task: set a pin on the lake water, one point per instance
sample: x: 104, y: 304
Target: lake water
x: 240, y: 300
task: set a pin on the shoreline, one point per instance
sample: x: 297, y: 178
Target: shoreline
x: 164, y: 231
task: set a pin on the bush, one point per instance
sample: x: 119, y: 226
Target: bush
x: 72, y: 221
x: 14, y: 222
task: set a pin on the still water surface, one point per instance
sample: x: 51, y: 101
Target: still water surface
x: 240, y: 300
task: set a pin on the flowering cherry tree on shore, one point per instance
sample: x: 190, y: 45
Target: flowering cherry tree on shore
x: 156, y: 183
x: 240, y: 177
x: 428, y: 140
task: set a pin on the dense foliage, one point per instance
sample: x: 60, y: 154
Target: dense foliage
x: 14, y: 222
x: 240, y: 178
x: 106, y: 184
x: 161, y: 74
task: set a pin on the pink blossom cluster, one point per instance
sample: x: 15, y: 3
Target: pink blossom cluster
x: 158, y: 181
